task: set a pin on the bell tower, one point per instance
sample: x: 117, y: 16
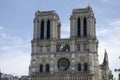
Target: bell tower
x: 46, y: 25
x: 82, y: 23
x: 83, y: 30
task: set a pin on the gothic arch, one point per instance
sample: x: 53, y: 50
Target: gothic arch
x: 48, y: 29
x: 66, y: 48
x: 85, y: 27
x: 85, y: 67
x: 47, y: 67
x: 85, y: 46
x: 42, y: 30
x: 41, y: 68
x: 79, y: 67
x: 78, y: 27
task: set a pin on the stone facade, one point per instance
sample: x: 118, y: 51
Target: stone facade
x: 74, y: 58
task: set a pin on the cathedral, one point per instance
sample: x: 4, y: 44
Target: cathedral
x: 74, y: 58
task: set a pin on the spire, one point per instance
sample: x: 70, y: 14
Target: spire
x: 105, y: 62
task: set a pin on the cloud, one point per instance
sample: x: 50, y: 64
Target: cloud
x: 115, y: 23
x: 65, y: 28
x: 14, y: 54
x: 1, y: 28
x: 2, y: 33
x: 109, y: 39
x: 16, y: 63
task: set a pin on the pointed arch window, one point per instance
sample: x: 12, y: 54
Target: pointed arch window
x: 48, y: 29
x: 78, y: 27
x: 47, y: 68
x: 65, y: 48
x: 41, y: 68
x: 79, y: 67
x: 85, y: 67
x: 85, y: 27
x: 78, y: 47
x: 42, y: 30
x: 48, y: 48
x: 58, y: 47
x: 85, y: 46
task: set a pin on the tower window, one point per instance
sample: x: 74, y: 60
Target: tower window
x: 78, y: 47
x: 85, y: 67
x: 48, y: 29
x: 85, y: 27
x: 47, y: 68
x: 65, y: 48
x: 41, y: 68
x: 48, y: 48
x: 58, y: 47
x: 78, y: 27
x: 85, y: 47
x: 79, y: 67
x: 42, y: 30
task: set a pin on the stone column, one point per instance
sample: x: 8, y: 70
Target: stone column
x: 75, y: 25
x: 39, y: 30
x: 52, y: 63
x: 92, y: 26
x: 82, y: 67
x: 35, y: 28
x: 73, y: 62
x: 89, y: 29
x: 53, y: 47
x: 77, y: 76
x: 53, y: 29
x: 44, y: 67
x: 72, y: 47
x: 95, y: 28
x: 72, y: 27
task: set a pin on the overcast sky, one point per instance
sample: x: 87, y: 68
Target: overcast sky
x: 16, y: 29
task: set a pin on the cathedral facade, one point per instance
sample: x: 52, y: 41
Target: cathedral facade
x: 74, y: 58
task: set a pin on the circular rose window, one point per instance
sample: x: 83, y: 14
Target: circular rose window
x: 63, y: 64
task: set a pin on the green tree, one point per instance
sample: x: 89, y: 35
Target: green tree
x: 118, y: 70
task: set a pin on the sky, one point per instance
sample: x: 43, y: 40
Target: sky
x: 16, y: 29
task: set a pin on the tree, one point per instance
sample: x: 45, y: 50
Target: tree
x: 111, y: 76
x: 118, y: 70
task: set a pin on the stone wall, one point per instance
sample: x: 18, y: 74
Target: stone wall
x: 63, y: 77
